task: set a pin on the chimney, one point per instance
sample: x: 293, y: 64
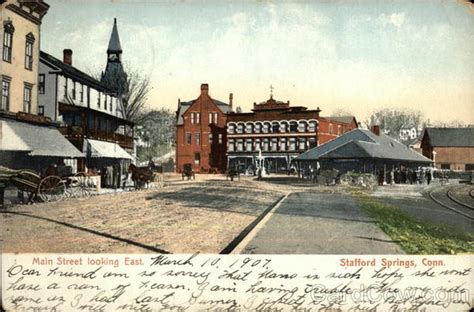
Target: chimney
x: 375, y: 129
x: 204, y: 88
x: 67, y: 56
x: 231, y: 97
x: 179, y: 103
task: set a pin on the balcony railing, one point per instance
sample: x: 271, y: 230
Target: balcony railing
x: 78, y: 132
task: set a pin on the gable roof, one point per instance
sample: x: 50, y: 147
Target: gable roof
x: 362, y: 143
x: 224, y: 107
x: 342, y: 119
x: 72, y: 72
x: 450, y: 137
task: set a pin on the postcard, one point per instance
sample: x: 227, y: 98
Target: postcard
x: 236, y: 155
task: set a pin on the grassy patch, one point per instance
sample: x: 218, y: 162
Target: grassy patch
x: 414, y: 236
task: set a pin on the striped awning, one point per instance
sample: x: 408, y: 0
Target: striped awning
x: 36, y: 140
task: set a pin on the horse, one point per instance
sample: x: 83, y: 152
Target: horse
x: 141, y: 176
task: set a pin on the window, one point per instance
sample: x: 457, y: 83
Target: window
x: 275, y: 127
x: 312, y: 126
x: 302, y: 127
x: 41, y: 81
x: 8, y: 30
x: 274, y: 145
x: 230, y: 147
x: 265, y: 145
x: 283, y: 145
x: 302, y: 144
x: 339, y: 130
x: 213, y: 117
x: 198, y: 118
x: 293, y: 126
x: 197, y: 159
x: 312, y: 142
x: 248, y: 128
x: 5, y: 104
x: 292, y: 146
x: 189, y: 138
x: 257, y: 144
x: 27, y: 99
x: 248, y: 145
x: 110, y: 104
x: 445, y: 166
x: 240, y: 146
x: 41, y: 110
x: 193, y: 118
x: 265, y: 128
x: 198, y: 138
x: 81, y: 93
x: 257, y: 127
x: 240, y: 128
x: 65, y: 89
x: 230, y: 128
x: 98, y: 99
x: 30, y: 39
x: 210, y: 138
x: 105, y: 102
x: 330, y: 129
x: 220, y: 138
x: 73, y: 90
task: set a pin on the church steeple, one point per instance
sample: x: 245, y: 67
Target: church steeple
x: 114, y: 77
x: 114, y: 43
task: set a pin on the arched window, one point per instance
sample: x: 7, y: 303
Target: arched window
x: 8, y: 31
x: 30, y: 39
x: 275, y: 127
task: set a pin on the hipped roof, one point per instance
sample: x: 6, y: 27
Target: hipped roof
x: 362, y: 143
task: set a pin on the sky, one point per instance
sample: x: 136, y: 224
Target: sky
x: 358, y: 56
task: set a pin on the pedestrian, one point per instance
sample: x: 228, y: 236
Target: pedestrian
x: 428, y: 176
x: 414, y: 177
x: 392, y: 177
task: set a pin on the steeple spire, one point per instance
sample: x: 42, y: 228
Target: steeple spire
x: 114, y: 43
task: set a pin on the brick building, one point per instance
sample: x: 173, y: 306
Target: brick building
x: 449, y: 148
x: 201, y: 134
x: 277, y: 132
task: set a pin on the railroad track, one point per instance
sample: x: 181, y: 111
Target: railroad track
x: 442, y: 197
x: 450, y: 193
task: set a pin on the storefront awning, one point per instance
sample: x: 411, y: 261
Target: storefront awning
x: 36, y: 140
x: 101, y: 149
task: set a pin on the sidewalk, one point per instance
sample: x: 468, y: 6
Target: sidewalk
x: 315, y: 223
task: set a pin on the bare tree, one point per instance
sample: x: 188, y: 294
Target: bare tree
x: 341, y: 112
x: 392, y: 121
x: 456, y: 123
x: 134, y: 100
x: 132, y: 88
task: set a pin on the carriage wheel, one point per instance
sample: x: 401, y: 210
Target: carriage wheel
x: 80, y: 187
x: 52, y: 189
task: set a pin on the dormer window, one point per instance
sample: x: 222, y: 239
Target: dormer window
x: 30, y: 39
x: 8, y: 31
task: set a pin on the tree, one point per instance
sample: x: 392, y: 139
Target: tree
x: 156, y: 132
x: 456, y: 123
x: 391, y: 121
x: 132, y: 88
x: 341, y: 112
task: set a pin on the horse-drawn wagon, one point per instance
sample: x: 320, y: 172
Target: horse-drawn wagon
x: 188, y: 172
x: 50, y: 187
